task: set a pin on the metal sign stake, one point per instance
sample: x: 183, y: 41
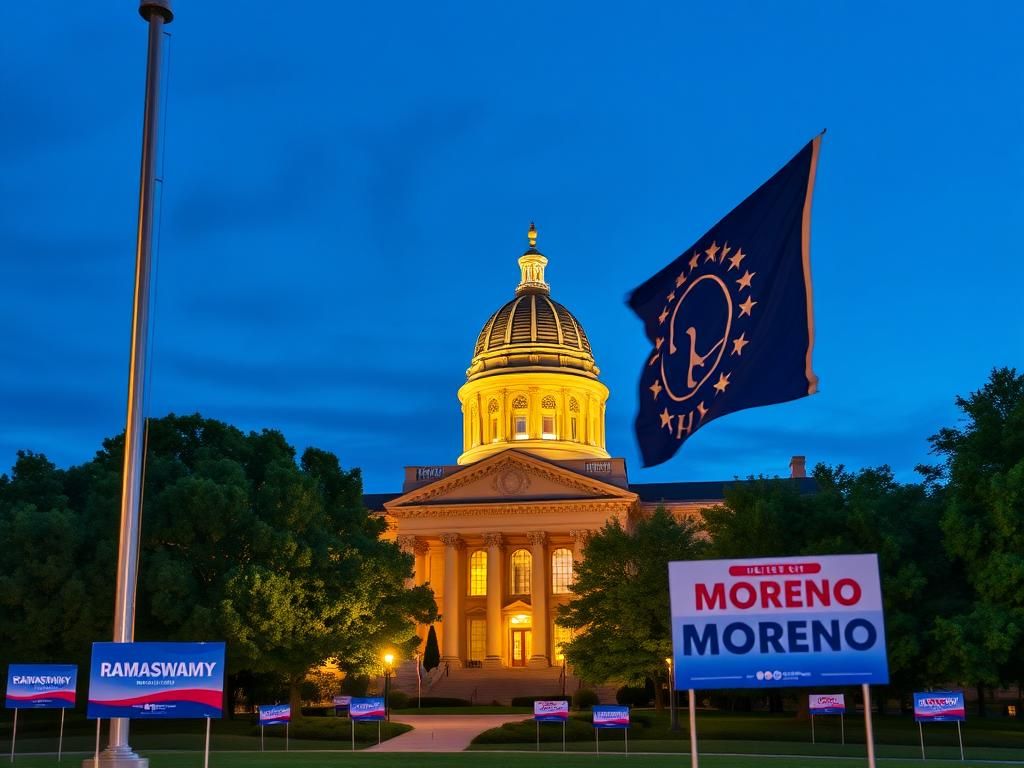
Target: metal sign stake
x: 869, y: 733
x: 14, y: 734
x: 694, y: 762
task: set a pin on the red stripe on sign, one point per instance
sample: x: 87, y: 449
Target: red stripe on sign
x: 774, y: 569
x: 191, y: 695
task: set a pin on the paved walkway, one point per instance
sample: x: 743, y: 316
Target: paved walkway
x: 441, y: 733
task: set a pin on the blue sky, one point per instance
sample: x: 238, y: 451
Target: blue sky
x: 347, y: 189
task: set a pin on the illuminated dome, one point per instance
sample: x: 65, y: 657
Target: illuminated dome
x: 532, y: 331
x: 532, y: 383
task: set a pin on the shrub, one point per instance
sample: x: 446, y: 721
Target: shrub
x: 584, y: 698
x: 442, y: 701
x: 527, y: 701
x: 525, y: 732
x: 633, y: 696
x: 398, y: 700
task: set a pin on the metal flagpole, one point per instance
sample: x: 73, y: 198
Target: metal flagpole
x: 96, y: 755
x: 206, y: 752
x: 842, y: 727
x: 14, y: 734
x: 694, y: 763
x: 869, y: 733
x: 597, y: 739
x: 118, y: 753
x: 959, y: 736
x: 920, y: 730
x: 812, y: 730
x: 60, y: 739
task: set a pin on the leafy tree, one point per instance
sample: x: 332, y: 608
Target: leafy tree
x: 239, y: 541
x: 850, y: 513
x: 620, y: 607
x: 51, y: 584
x: 983, y: 525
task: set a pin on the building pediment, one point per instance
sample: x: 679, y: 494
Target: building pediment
x: 509, y: 477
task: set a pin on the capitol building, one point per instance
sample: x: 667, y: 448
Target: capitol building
x: 498, y: 534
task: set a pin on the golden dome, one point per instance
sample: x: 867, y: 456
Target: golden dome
x: 533, y: 383
x: 532, y: 331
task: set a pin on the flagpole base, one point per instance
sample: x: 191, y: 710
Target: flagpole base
x: 122, y: 757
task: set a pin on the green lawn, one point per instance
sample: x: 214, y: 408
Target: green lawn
x: 37, y: 732
x: 760, y: 732
x: 474, y: 760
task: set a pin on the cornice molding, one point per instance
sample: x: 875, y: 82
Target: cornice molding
x: 607, y: 506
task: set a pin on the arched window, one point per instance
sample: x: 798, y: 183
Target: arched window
x: 474, y: 427
x: 547, y: 428
x: 574, y: 418
x: 478, y: 573
x: 561, y: 571
x: 492, y: 420
x: 522, y: 563
x: 520, y: 430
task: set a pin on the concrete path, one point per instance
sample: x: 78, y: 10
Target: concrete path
x: 442, y: 733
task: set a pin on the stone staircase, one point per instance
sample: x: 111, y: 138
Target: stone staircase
x: 487, y: 686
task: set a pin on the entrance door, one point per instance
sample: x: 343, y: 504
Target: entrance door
x: 521, y: 642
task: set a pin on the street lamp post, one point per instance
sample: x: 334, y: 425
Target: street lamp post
x: 419, y: 686
x: 389, y: 659
x: 673, y: 713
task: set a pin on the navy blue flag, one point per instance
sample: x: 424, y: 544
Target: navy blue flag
x: 731, y: 320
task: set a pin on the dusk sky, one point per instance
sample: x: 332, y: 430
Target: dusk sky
x: 348, y: 187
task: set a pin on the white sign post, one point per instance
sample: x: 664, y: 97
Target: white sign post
x: 778, y: 622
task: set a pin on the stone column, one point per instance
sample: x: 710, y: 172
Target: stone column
x: 539, y: 598
x: 580, y: 536
x: 495, y: 588
x: 407, y: 543
x: 420, y: 549
x: 451, y: 622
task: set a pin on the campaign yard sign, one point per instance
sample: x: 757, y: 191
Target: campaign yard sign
x: 275, y: 714
x: 367, y: 710
x: 156, y: 680
x: 611, y: 717
x: 341, y: 703
x: 827, y: 703
x: 777, y: 622
x: 939, y: 707
x: 551, y: 711
x: 41, y: 686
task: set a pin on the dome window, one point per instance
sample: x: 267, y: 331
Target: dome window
x: 574, y: 416
x: 520, y: 430
x: 548, y: 419
x: 492, y: 420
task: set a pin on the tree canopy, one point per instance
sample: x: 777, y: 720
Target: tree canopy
x: 980, y: 483
x: 240, y: 542
x: 620, y: 607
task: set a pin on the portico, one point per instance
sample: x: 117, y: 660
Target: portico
x: 500, y: 562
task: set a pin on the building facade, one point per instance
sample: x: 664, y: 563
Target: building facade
x: 498, y: 534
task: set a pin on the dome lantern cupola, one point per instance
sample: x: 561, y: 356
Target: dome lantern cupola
x: 532, y: 383
x: 532, y: 264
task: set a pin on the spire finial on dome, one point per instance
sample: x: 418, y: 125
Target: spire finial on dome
x: 532, y: 264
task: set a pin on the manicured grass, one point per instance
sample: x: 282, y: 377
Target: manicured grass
x: 37, y: 732
x: 473, y: 760
x: 742, y: 731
